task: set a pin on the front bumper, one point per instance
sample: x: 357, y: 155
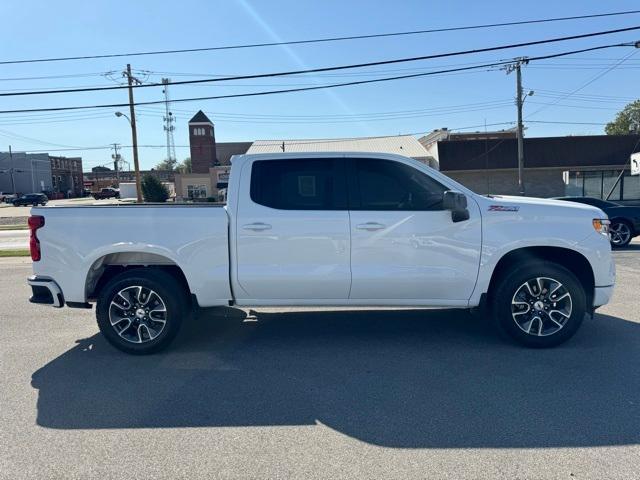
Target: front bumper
x: 45, y: 291
x: 602, y: 295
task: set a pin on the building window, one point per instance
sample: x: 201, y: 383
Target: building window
x: 199, y: 131
x: 599, y: 183
x: 592, y: 184
x: 197, y: 191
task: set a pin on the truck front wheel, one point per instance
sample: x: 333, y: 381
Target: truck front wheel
x: 539, y: 304
x: 140, y: 311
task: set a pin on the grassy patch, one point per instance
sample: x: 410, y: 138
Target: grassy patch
x: 18, y: 252
x: 14, y: 227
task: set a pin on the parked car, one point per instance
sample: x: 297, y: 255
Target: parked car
x: 34, y: 199
x: 339, y: 229
x: 106, y: 193
x: 9, y: 197
x: 625, y: 219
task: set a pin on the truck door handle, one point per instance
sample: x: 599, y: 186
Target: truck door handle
x: 256, y: 227
x: 370, y: 226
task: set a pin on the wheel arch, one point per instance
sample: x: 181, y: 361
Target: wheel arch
x: 573, y: 261
x: 109, y: 265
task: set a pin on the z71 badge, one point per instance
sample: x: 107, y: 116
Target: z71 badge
x: 503, y: 208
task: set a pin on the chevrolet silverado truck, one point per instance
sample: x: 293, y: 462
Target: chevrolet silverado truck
x: 326, y: 229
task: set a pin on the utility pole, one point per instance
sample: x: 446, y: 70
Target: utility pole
x: 11, y: 170
x: 116, y: 161
x: 519, y: 102
x: 134, y: 133
x: 520, y: 129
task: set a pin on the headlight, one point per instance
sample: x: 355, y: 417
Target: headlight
x: 601, y: 225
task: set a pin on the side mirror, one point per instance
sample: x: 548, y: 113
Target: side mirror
x: 457, y: 203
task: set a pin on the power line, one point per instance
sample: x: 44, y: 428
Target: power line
x: 349, y: 115
x: 565, y: 123
x: 322, y: 40
x: 356, y: 65
x: 8, y: 134
x: 49, y: 77
x: 585, y: 95
x: 356, y: 119
x: 321, y: 141
x: 291, y: 90
x: 585, y: 84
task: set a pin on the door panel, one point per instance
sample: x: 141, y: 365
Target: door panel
x: 403, y: 245
x: 301, y: 249
x: 417, y: 255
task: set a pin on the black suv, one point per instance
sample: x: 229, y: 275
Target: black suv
x: 34, y: 199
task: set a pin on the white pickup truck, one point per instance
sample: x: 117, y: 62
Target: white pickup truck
x: 326, y: 229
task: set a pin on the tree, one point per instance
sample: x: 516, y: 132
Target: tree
x: 627, y: 121
x: 153, y: 190
x: 185, y: 166
x: 167, y: 164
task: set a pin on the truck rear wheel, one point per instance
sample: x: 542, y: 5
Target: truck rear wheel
x: 140, y: 311
x: 539, y: 304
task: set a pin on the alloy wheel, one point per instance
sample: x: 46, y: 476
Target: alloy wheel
x: 541, y: 306
x: 137, y: 314
x: 620, y: 233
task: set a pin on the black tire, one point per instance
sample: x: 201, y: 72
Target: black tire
x: 171, y: 293
x: 615, y: 225
x: 510, y: 294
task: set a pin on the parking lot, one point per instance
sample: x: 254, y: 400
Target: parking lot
x: 319, y: 394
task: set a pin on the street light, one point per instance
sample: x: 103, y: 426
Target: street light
x: 120, y: 114
x: 134, y: 145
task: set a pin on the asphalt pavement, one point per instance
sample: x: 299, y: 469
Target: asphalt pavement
x: 402, y: 393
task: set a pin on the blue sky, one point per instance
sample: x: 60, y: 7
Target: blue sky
x: 40, y: 28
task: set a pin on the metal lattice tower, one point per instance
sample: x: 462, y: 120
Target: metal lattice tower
x: 169, y: 119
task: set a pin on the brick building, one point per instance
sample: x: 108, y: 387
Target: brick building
x: 66, y: 176
x: 210, y: 161
x: 202, y: 143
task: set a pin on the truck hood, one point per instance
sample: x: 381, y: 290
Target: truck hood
x: 543, y: 206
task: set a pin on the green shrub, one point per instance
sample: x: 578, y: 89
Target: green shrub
x: 153, y: 190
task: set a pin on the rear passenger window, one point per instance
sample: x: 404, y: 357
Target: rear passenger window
x: 299, y: 184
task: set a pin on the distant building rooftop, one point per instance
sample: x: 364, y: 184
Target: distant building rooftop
x: 226, y: 150
x: 583, y: 151
x: 444, y: 134
x: 406, y: 145
x: 200, y: 117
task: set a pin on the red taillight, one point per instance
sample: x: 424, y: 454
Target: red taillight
x: 35, y: 222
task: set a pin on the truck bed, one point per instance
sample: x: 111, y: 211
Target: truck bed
x: 77, y: 240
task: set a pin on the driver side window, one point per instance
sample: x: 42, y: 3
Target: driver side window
x: 387, y: 185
